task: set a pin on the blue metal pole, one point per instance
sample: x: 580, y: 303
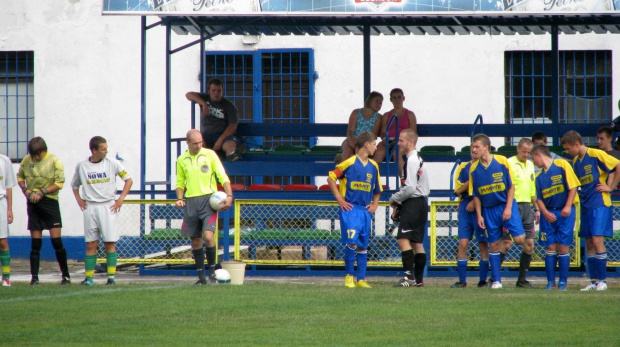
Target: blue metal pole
x: 143, y: 105
x: 555, y: 84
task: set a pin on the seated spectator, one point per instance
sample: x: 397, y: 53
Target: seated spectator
x: 361, y: 120
x: 406, y: 120
x: 218, y: 122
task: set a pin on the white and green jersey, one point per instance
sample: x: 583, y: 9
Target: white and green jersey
x: 7, y: 175
x: 98, y: 180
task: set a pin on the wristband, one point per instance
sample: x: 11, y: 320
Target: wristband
x: 230, y: 196
x: 24, y: 189
x: 44, y: 191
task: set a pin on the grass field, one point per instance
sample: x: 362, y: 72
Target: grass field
x: 273, y: 314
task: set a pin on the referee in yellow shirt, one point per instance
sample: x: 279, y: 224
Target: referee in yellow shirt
x: 525, y: 194
x: 197, y: 171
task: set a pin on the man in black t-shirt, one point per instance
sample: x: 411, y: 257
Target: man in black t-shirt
x: 218, y: 123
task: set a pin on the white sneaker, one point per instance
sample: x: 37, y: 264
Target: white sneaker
x: 496, y: 285
x: 601, y: 286
x: 7, y: 283
x: 591, y: 286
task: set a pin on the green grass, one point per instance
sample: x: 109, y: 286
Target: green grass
x: 294, y: 314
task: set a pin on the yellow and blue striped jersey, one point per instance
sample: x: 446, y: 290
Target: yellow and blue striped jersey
x: 553, y: 184
x: 359, y: 182
x: 593, y: 170
x: 461, y: 176
x: 491, y: 183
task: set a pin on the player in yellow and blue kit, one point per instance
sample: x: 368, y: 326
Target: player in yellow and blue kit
x: 556, y: 192
x: 358, y: 198
x: 468, y: 228
x: 490, y: 183
x: 592, y: 167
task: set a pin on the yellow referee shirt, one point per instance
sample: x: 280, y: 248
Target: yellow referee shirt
x: 523, y: 179
x: 198, y: 173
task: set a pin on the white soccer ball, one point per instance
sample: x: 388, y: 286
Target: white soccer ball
x: 216, y: 200
x: 222, y: 276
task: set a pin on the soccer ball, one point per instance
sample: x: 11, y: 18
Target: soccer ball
x: 222, y: 276
x: 216, y: 200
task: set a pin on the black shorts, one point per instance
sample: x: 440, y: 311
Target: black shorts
x: 209, y: 140
x: 413, y: 218
x: 44, y: 215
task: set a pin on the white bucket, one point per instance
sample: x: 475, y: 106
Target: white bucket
x: 236, y: 270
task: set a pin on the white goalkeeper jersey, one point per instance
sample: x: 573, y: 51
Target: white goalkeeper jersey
x: 98, y: 180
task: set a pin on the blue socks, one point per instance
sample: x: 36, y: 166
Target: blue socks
x: 461, y: 266
x: 496, y: 263
x: 349, y: 260
x: 601, y: 265
x: 361, y: 256
x: 484, y: 269
x: 551, y: 258
x: 564, y: 260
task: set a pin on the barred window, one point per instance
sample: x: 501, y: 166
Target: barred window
x: 16, y: 103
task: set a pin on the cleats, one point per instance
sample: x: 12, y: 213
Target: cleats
x: 551, y: 286
x: 236, y: 153
x: 6, y: 282
x: 34, y: 281
x: 65, y: 281
x: 591, y: 286
x: 111, y: 282
x: 349, y: 282
x: 496, y: 285
x: 362, y: 284
x: 562, y: 286
x: 483, y: 284
x: 212, y: 280
x: 405, y: 282
x: 524, y: 284
x: 601, y: 286
x: 459, y: 284
x: 87, y: 282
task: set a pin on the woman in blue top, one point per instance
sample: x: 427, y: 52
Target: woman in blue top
x: 360, y: 120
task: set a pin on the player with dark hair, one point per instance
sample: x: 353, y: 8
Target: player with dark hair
x: 197, y: 170
x: 411, y: 199
x: 468, y: 228
x: 490, y: 182
x: 363, y: 119
x: 218, y: 123
x: 97, y: 177
x: 358, y: 197
x: 604, y: 138
x: 592, y: 167
x: 525, y: 195
x: 556, y: 191
x: 7, y: 182
x: 41, y: 176
x: 405, y: 118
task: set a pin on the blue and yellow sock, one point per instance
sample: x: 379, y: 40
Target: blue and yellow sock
x: 592, y: 268
x: 5, y: 260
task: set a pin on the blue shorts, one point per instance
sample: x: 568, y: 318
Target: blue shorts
x: 596, y: 222
x: 468, y: 225
x: 355, y: 226
x: 559, y: 232
x: 494, y: 223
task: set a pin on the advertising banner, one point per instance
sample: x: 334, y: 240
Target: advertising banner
x: 356, y: 6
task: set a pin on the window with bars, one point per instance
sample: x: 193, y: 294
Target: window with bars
x: 585, y: 87
x: 16, y: 103
x: 268, y: 86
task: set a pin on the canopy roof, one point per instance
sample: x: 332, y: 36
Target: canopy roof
x: 431, y: 23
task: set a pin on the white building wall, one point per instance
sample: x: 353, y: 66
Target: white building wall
x: 87, y: 82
